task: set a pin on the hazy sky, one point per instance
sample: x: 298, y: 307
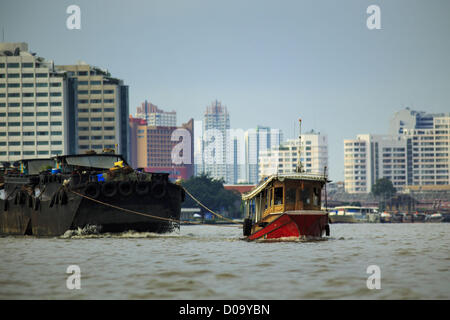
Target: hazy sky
x: 269, y: 62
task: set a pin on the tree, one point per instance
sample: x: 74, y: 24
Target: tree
x: 211, y: 193
x: 383, y: 190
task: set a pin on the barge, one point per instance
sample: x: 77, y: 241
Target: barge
x: 47, y: 197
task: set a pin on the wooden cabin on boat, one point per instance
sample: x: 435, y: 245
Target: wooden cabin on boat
x: 286, y: 206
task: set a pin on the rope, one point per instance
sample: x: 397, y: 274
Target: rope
x: 214, y: 213
x: 137, y: 212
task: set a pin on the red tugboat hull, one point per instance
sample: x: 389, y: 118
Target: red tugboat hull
x: 295, y: 225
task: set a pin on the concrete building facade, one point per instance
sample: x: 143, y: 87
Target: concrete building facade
x: 152, y: 148
x: 37, y: 106
x: 415, y: 153
x: 155, y: 116
x: 284, y: 159
x: 102, y: 113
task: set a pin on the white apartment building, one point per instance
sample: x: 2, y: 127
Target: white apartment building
x: 416, y: 153
x: 284, y: 159
x: 242, y: 151
x: 430, y: 159
x: 257, y: 141
x: 371, y: 157
x: 37, y: 106
x: 102, y: 119
x: 156, y: 117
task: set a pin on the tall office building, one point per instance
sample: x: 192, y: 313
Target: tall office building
x: 416, y: 153
x: 155, y: 116
x: 257, y: 141
x: 37, y: 106
x: 102, y: 117
x: 215, y: 125
x: 284, y: 158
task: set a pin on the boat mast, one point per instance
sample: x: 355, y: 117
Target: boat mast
x: 299, y: 167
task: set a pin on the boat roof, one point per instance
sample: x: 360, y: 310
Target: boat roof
x: 303, y: 176
x: 94, y: 160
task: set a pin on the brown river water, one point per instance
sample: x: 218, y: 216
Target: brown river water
x: 212, y: 262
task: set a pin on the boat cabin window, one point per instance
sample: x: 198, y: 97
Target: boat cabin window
x: 278, y: 196
x: 316, y: 196
x: 290, y: 195
x: 306, y: 196
x: 269, y: 198
x: 265, y: 197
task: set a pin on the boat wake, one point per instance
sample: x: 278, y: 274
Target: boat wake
x: 90, y: 232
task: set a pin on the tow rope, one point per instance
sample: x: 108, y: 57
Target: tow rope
x: 157, y: 217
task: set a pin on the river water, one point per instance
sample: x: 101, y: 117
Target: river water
x: 211, y: 262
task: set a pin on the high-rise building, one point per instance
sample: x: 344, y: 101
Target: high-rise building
x: 371, y: 157
x: 408, y: 119
x: 415, y: 153
x: 429, y: 150
x: 154, y: 148
x: 257, y: 141
x: 156, y: 117
x: 215, y: 126
x: 284, y: 158
x: 37, y: 106
x: 102, y: 117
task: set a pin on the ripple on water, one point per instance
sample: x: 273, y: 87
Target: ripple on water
x: 196, y: 261
x: 225, y: 275
x: 405, y: 252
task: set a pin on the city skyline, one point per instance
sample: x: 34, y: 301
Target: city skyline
x: 269, y: 63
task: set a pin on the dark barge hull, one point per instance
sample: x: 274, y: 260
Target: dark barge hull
x: 59, y: 209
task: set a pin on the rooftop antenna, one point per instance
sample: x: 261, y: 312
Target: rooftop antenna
x: 299, y: 168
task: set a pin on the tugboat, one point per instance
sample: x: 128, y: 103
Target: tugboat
x: 286, y: 207
x: 47, y: 197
